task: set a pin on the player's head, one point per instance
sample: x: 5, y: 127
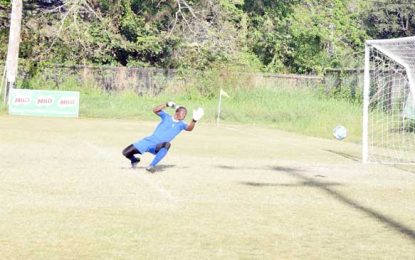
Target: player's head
x: 181, y: 113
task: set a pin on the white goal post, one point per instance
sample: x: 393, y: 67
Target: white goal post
x: 389, y: 101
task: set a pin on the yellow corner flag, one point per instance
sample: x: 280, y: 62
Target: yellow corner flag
x: 223, y: 93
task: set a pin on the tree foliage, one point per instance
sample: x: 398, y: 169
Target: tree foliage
x: 275, y: 36
x: 390, y: 19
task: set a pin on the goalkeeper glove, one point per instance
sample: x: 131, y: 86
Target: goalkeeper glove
x: 171, y: 104
x: 198, y: 114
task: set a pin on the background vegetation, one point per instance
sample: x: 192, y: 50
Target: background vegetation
x: 285, y: 105
x: 262, y: 35
x: 289, y: 36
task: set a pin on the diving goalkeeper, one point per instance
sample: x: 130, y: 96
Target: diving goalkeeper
x: 159, y: 142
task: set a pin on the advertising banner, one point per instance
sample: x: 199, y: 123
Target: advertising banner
x: 44, y: 103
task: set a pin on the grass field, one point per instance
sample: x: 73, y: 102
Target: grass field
x: 307, y: 111
x: 227, y: 192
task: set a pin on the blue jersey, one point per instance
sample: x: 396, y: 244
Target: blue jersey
x: 167, y: 129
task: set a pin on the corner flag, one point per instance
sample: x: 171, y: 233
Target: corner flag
x: 221, y: 93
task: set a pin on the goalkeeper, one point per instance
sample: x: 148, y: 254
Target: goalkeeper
x: 159, y: 142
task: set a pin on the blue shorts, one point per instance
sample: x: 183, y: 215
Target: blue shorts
x: 145, y: 145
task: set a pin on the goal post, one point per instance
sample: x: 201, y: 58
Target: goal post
x: 388, y: 134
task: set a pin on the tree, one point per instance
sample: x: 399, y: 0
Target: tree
x: 390, y: 19
x: 324, y: 34
x: 304, y: 36
x: 269, y: 31
x: 276, y: 36
x: 13, y: 46
x: 173, y: 33
x: 5, y: 10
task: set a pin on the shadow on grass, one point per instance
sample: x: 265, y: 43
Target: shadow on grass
x: 345, y: 155
x: 227, y: 167
x: 403, y: 167
x: 158, y: 167
x: 301, y: 184
x: 325, y: 186
x: 310, y: 182
x: 163, y: 167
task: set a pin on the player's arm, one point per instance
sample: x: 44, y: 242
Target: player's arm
x: 197, y: 115
x: 191, y: 125
x: 158, y: 108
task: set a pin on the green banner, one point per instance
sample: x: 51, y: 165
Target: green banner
x: 44, y: 103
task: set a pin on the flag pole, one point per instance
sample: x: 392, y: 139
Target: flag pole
x: 219, y: 105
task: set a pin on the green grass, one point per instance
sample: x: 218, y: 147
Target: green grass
x: 236, y: 192
x: 300, y: 111
x: 295, y: 110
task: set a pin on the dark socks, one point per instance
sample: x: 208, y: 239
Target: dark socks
x: 129, y: 152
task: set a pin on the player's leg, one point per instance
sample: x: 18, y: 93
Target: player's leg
x: 129, y: 152
x: 160, y: 152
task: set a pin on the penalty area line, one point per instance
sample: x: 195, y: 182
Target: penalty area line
x: 157, y: 186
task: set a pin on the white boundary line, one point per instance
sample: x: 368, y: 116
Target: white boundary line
x: 156, y: 185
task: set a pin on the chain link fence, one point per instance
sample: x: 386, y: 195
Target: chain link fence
x: 112, y: 79
x: 288, y: 80
x: 347, y: 83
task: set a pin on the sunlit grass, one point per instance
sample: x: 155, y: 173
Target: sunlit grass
x: 304, y: 111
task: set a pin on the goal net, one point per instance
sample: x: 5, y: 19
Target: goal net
x: 389, y: 104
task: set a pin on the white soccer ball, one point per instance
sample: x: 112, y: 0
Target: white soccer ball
x: 340, y: 132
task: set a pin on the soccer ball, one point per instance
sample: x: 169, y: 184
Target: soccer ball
x: 340, y: 132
